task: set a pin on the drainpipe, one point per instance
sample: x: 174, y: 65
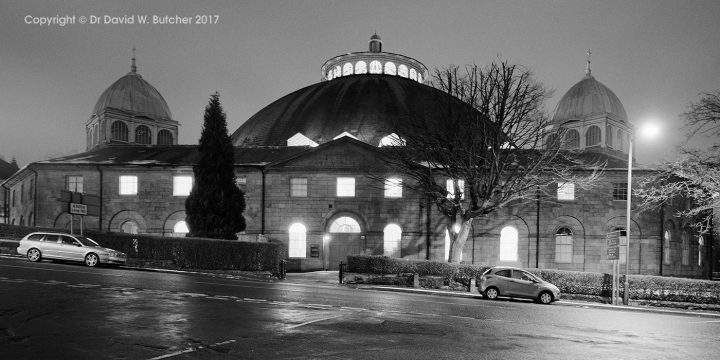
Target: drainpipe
x: 262, y: 202
x: 537, y: 228
x: 101, y: 197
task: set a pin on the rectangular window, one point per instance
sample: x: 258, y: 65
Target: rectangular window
x: 298, y: 187
x: 393, y: 188
x: 182, y: 185
x: 75, y: 183
x: 563, y: 248
x: 128, y: 185
x: 566, y: 191
x: 620, y: 191
x: 346, y: 186
x: 450, y: 187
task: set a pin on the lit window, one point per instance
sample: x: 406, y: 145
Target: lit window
x: 392, y: 140
x: 75, y: 183
x: 180, y: 229
x: 142, y: 135
x: 450, y: 187
x: 392, y: 240
x: 563, y: 245
x: 508, y: 244
x: 620, y: 191
x: 566, y: 191
x: 347, y: 69
x: 297, y: 243
x: 375, y: 67
x: 182, y: 185
x: 329, y: 75
x: 666, y: 246
x: 390, y: 68
x: 129, y: 227
x: 592, y: 137
x: 420, y: 78
x: 701, y: 249
x: 345, y: 224
x: 413, y: 74
x: 298, y: 187
x: 346, y: 186
x: 393, y: 188
x: 403, y: 71
x: 360, y: 67
x: 128, y: 185
x: 337, y: 71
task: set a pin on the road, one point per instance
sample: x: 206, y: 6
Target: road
x: 66, y: 311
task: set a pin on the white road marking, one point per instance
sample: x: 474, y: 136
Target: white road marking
x: 312, y: 322
x: 189, y: 350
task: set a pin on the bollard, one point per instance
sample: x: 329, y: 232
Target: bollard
x: 340, y: 273
x: 283, y: 269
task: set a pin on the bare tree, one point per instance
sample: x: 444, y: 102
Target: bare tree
x: 489, y: 140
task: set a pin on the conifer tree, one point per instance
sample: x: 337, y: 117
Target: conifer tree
x: 215, y: 205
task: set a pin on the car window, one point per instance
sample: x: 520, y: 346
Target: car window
x: 516, y: 274
x: 528, y: 277
x: 505, y: 273
x: 68, y: 240
x: 87, y: 241
x: 35, y: 237
x: 51, y: 238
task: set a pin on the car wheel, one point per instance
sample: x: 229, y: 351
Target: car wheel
x: 91, y: 259
x: 34, y: 255
x: 545, y: 297
x: 492, y: 293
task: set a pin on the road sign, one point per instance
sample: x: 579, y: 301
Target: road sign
x: 78, y: 209
x: 613, y: 252
x: 613, y: 241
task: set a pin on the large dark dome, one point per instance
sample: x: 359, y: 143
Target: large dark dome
x: 368, y: 107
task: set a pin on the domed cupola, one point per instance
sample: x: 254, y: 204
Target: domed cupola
x: 131, y: 111
x: 593, y: 116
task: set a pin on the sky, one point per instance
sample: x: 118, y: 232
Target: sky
x: 657, y: 56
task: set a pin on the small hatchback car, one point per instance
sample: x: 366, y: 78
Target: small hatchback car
x: 518, y: 283
x: 60, y: 246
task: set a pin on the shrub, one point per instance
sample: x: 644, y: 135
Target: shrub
x: 385, y: 265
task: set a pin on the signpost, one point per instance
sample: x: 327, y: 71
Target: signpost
x: 613, y: 253
x: 79, y: 204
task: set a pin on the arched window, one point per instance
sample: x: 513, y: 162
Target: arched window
x: 420, y: 78
x: 360, y: 67
x: 447, y: 245
x: 666, y: 246
x: 95, y: 134
x: 329, y: 75
x: 375, y: 67
x: 608, y: 135
x: 623, y: 244
x: 337, y: 71
x: 390, y: 68
x: 685, y: 247
x: 392, y: 240
x: 392, y: 140
x: 142, y: 135
x: 620, y: 144
x: 551, y: 141
x: 508, y: 244
x: 701, y: 248
x: 119, y: 131
x: 347, y: 69
x: 403, y: 71
x: 297, y: 242
x: 563, y: 245
x: 180, y: 229
x: 345, y: 224
x: 592, y: 136
x: 572, y: 139
x: 165, y: 137
x: 413, y: 74
x: 129, y: 227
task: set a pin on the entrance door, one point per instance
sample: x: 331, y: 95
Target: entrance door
x: 340, y: 246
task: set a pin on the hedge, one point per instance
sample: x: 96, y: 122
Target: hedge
x: 195, y: 253
x: 642, y: 287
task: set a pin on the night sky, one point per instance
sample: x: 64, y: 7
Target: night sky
x: 657, y: 56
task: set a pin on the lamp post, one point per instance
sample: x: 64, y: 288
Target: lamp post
x: 627, y: 225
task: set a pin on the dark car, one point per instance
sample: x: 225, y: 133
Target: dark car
x: 513, y: 282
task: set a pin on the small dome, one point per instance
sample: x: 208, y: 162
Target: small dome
x: 375, y: 37
x: 132, y: 93
x: 588, y: 98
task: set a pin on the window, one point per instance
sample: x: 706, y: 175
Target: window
x: 392, y: 240
x: 392, y: 140
x: 297, y: 242
x: 592, y: 136
x: 393, y: 188
x: 666, y: 246
x: 623, y: 245
x: 119, y: 131
x: 346, y: 186
x: 142, y: 135
x: 241, y: 183
x: 345, y: 224
x: 30, y: 190
x: 686, y: 248
x: 701, y: 249
x: 180, y: 229
x: 129, y: 227
x: 450, y: 187
x: 22, y: 193
x: 298, y: 187
x: 375, y: 67
x: 182, y: 185
x: 13, y: 198
x: 360, y: 67
x: 403, y: 71
x: 508, y: 244
x: 413, y: 74
x: 620, y: 191
x: 390, y: 68
x: 347, y: 69
x: 420, y: 78
x: 128, y: 185
x: 447, y: 245
x: 620, y: 143
x: 608, y: 135
x: 330, y: 74
x: 337, y: 71
x: 563, y: 245
x: 165, y: 137
x: 572, y: 139
x: 566, y: 191
x: 74, y: 183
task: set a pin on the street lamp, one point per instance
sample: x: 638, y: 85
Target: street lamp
x: 648, y: 130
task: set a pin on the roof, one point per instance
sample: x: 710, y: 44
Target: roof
x: 587, y: 98
x: 133, y: 94
x: 7, y: 169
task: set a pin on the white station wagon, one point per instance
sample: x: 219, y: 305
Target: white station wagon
x: 60, y: 246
